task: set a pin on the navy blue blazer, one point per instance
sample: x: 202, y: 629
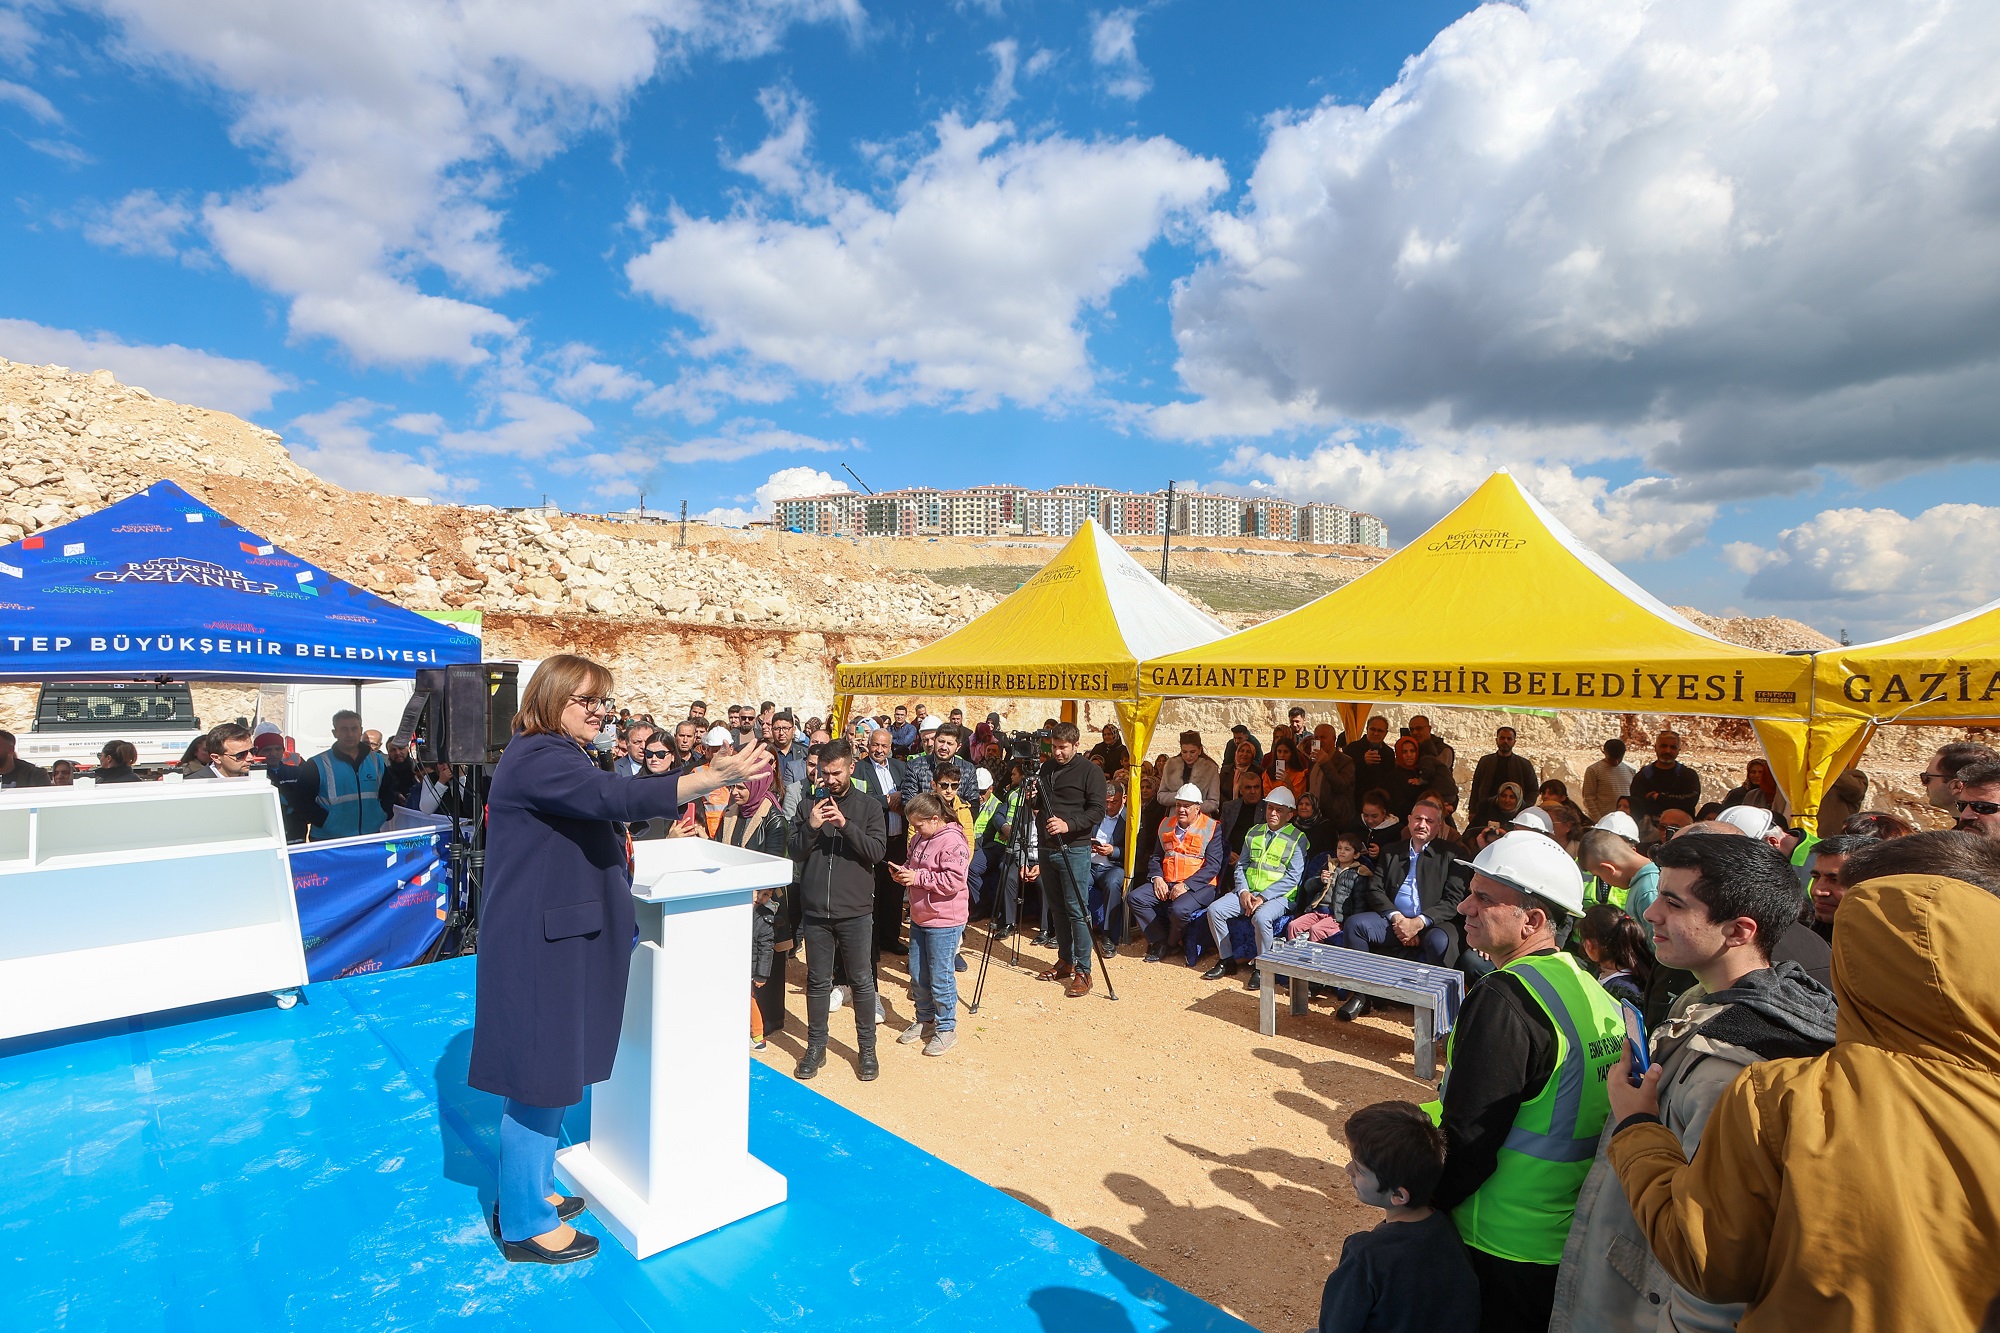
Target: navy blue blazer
x: 556, y: 921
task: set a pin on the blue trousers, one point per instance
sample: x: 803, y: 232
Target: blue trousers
x: 1370, y: 933
x: 933, y: 949
x: 1107, y: 901
x: 528, y: 1169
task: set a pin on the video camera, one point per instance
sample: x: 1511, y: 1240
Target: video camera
x: 1030, y: 745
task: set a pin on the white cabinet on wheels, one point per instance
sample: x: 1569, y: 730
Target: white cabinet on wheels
x: 136, y: 897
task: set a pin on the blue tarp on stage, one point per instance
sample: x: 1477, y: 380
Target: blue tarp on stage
x: 160, y: 584
x: 244, y: 1167
x: 370, y: 904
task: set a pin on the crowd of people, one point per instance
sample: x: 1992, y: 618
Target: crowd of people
x: 1549, y: 1185
x: 1811, y: 1142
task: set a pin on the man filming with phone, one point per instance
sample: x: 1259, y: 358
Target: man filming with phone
x: 1723, y: 902
x: 1071, y: 805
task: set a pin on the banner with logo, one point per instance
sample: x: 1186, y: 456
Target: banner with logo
x: 370, y: 904
x: 160, y: 584
x: 1497, y: 606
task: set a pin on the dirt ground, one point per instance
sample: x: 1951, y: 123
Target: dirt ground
x: 1161, y: 1125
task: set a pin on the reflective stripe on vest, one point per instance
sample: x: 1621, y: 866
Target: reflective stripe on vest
x: 987, y: 809
x: 1182, y: 850
x: 350, y: 796
x: 1523, y: 1210
x: 1266, y: 854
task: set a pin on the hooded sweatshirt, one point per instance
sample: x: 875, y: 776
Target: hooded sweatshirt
x: 1609, y: 1280
x: 1856, y: 1191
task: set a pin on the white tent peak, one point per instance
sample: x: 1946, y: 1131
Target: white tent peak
x: 1152, y: 618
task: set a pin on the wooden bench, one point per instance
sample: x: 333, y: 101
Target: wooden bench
x: 1434, y: 992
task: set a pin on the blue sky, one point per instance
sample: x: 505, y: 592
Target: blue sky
x: 1718, y: 280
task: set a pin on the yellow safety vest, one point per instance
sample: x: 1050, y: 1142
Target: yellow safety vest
x: 1266, y: 854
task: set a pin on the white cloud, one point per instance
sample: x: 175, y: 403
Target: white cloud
x: 582, y: 377
x: 784, y: 484
x: 1886, y: 571
x: 531, y: 427
x: 969, y: 288
x: 142, y: 223
x: 418, y: 423
x: 170, y: 370
x: 746, y: 437
x: 30, y: 101
x: 1006, y: 64
x: 1770, y: 231
x: 394, y: 126
x: 342, y: 452
x: 1411, y: 487
x: 1114, y: 49
x: 696, y: 394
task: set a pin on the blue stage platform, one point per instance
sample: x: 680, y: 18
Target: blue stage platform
x: 244, y: 1168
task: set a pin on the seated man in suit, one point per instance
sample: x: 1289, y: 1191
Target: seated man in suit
x: 1410, y: 904
x: 1107, y: 870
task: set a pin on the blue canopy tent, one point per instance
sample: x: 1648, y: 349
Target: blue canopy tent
x: 160, y: 584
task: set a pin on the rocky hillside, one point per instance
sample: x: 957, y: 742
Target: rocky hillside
x: 731, y: 614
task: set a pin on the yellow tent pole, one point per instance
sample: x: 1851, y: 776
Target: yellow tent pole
x: 1353, y: 717
x: 842, y: 705
x: 1136, y: 720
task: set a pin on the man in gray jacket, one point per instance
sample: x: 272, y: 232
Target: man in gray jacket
x: 1722, y: 905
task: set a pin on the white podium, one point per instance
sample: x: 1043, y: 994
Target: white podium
x: 668, y: 1157
x: 133, y: 897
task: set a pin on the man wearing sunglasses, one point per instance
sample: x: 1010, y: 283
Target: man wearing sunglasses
x: 1978, y: 798
x: 1942, y: 774
x: 228, y: 752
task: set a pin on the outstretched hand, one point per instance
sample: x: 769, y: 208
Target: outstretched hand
x: 752, y: 761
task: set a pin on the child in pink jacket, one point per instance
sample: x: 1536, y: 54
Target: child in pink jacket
x: 935, y: 876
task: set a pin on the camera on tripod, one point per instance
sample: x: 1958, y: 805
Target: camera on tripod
x: 1030, y: 745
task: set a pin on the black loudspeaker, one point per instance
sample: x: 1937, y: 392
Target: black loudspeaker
x: 470, y: 717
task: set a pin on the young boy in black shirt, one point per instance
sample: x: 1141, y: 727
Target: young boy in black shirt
x: 1409, y: 1274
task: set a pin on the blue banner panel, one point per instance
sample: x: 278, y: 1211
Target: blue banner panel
x: 370, y: 904
x: 160, y: 584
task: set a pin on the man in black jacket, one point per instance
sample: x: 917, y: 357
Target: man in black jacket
x: 1409, y: 906
x: 1501, y: 767
x: 1072, y: 804
x: 843, y: 836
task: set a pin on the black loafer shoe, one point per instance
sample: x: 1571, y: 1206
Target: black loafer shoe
x: 528, y: 1251
x: 1225, y: 968
x: 1353, y: 1009
x: 1044, y: 941
x: 1105, y: 948
x: 1154, y: 955
x: 569, y: 1207
x: 809, y: 1063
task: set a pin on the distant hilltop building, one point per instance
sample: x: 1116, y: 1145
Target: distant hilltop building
x: 1015, y: 511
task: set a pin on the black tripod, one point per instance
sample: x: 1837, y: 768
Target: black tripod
x: 465, y: 861
x: 1021, y: 836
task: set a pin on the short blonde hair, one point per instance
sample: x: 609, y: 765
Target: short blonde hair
x: 549, y: 689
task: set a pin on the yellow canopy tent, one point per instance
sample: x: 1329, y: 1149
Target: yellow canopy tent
x: 1496, y: 606
x: 1947, y: 674
x: 1077, y: 630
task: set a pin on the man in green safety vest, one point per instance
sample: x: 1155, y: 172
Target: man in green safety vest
x: 1272, y: 863
x: 1524, y: 1094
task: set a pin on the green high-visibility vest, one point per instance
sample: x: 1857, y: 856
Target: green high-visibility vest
x: 1266, y: 854
x: 1523, y: 1211
x: 987, y: 809
x: 1596, y: 890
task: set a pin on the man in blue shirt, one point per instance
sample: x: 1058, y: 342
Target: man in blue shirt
x: 903, y: 734
x: 1410, y: 904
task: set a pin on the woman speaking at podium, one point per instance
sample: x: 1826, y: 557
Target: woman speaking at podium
x: 556, y: 933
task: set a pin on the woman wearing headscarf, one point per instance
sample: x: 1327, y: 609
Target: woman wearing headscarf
x: 1759, y: 789
x: 1500, y: 807
x: 755, y: 819
x: 1244, y: 760
x: 1406, y: 779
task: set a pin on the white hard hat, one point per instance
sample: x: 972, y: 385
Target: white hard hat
x: 1281, y: 796
x: 1532, y: 864
x: 1189, y: 794
x: 1620, y: 823
x: 719, y: 736
x: 1536, y: 818
x: 930, y: 724
x: 984, y: 779
x: 1754, y: 820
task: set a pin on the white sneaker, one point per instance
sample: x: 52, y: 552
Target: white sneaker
x: 838, y: 1000
x: 881, y: 1014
